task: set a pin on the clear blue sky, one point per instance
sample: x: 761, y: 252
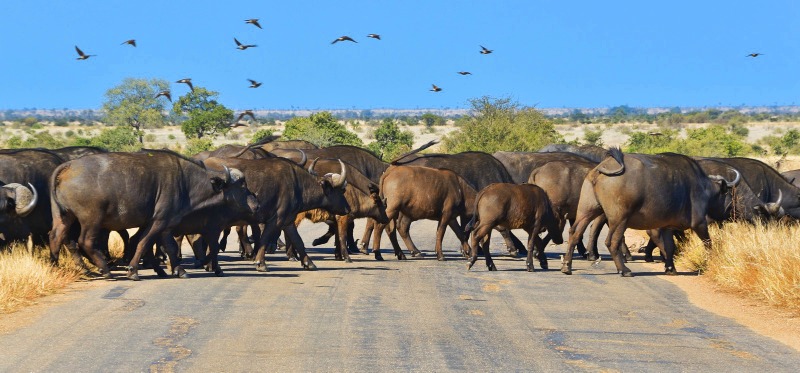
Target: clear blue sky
x: 546, y: 53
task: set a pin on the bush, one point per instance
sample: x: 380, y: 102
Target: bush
x: 171, y: 137
x: 789, y: 143
x: 321, y: 129
x: 117, y: 139
x: 390, y: 141
x: 150, y: 137
x: 261, y: 134
x: 194, y: 146
x: 500, y: 124
x: 595, y: 138
x: 41, y: 139
x: 713, y: 141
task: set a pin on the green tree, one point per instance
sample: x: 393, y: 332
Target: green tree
x: 593, y: 137
x: 430, y: 120
x: 321, y: 129
x: 206, y: 115
x: 390, y: 141
x: 501, y: 124
x: 261, y: 134
x: 117, y: 139
x: 133, y: 103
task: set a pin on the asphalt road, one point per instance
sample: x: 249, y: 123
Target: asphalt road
x: 417, y: 315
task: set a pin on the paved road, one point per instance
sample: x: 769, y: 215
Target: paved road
x: 420, y: 315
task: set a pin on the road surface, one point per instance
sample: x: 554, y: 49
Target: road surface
x: 416, y: 315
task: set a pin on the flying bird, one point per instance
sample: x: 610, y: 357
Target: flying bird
x: 465, y: 73
x: 246, y: 112
x: 435, y: 88
x: 254, y: 84
x: 374, y: 36
x: 129, y: 42
x: 484, y: 50
x: 166, y: 94
x: 241, y: 46
x: 187, y: 81
x: 81, y: 55
x: 253, y: 21
x: 754, y: 54
x: 343, y: 38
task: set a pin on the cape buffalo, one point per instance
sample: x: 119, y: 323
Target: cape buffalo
x: 426, y: 193
x: 154, y: 190
x: 657, y: 193
x: 513, y: 206
x: 283, y: 190
x: 521, y: 164
x: 766, y: 183
x: 25, y: 210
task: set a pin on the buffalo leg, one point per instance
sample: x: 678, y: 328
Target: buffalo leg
x: 514, y: 245
x: 533, y: 247
x: 615, y: 239
x: 402, y: 226
x: 297, y: 242
x: 88, y: 240
x: 440, y: 228
x: 588, y: 210
x: 61, y: 227
x: 368, y: 230
x: 147, y: 235
x: 343, y: 224
x: 594, y: 237
x: 481, y: 237
x: 171, y: 247
x: 465, y: 249
x: 327, y: 236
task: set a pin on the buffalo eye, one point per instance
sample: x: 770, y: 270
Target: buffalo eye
x: 217, y: 184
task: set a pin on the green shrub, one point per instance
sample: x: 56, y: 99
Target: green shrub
x: 390, y: 141
x: 150, y: 137
x: 117, y: 139
x: 171, y: 136
x: 321, y: 129
x: 500, y: 124
x: 261, y: 134
x: 194, y: 146
x: 593, y: 137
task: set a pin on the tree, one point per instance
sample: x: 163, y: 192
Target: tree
x: 321, y: 129
x: 500, y: 124
x: 206, y: 115
x: 134, y: 103
x: 390, y: 141
x: 430, y: 120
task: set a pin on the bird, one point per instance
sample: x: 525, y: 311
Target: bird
x: 81, y: 55
x: 435, y: 88
x: 484, y: 50
x: 465, y: 73
x: 374, y: 36
x: 129, y: 42
x: 754, y: 54
x: 254, y: 84
x: 241, y: 46
x: 343, y: 38
x: 253, y: 21
x: 187, y: 81
x: 166, y: 94
x: 246, y: 112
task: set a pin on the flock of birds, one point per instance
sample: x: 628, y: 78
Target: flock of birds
x: 255, y: 84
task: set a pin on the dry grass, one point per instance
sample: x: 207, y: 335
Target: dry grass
x: 759, y: 261
x: 25, y: 276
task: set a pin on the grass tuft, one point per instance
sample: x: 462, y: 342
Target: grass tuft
x: 759, y: 261
x: 26, y: 275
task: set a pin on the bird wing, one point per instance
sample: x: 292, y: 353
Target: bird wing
x: 335, y: 40
x: 255, y: 22
x: 239, y: 117
x: 250, y: 113
x: 237, y: 42
x: 251, y: 81
x: 190, y: 85
x: 80, y: 52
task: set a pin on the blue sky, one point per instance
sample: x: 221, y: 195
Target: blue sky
x: 546, y: 53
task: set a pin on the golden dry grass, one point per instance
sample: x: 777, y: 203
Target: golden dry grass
x: 759, y: 261
x: 26, y: 275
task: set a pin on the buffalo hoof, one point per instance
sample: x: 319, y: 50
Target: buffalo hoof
x: 565, y: 269
x: 491, y: 267
x: 378, y: 256
x: 208, y: 267
x: 181, y: 273
x: 310, y: 266
x: 529, y: 267
x: 417, y: 254
x: 160, y: 272
x: 544, y: 264
x: 262, y: 268
x: 318, y: 241
x: 671, y: 271
x: 441, y: 258
x: 133, y: 275
x: 627, y: 274
x: 470, y: 264
x: 648, y: 259
x: 513, y: 253
x: 218, y: 272
x: 348, y: 260
x: 362, y: 247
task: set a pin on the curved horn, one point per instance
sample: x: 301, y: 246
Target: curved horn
x: 736, y: 180
x: 304, y: 159
x: 342, y: 176
x: 24, y: 195
x: 774, y: 208
x: 239, y: 154
x: 311, y: 168
x: 227, y: 174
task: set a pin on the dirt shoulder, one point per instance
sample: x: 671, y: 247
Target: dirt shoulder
x: 762, y: 319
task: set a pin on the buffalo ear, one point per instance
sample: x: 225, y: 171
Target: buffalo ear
x: 217, y: 184
x: 326, y: 186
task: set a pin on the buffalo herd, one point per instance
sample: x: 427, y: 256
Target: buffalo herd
x: 71, y: 199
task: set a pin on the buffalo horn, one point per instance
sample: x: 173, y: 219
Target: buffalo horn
x: 227, y: 174
x: 775, y: 207
x: 736, y: 180
x: 311, y: 168
x: 23, y: 195
x: 304, y: 158
x: 339, y: 180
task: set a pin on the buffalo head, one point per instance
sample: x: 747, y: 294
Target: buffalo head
x: 234, y: 188
x: 333, y: 186
x: 18, y: 200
